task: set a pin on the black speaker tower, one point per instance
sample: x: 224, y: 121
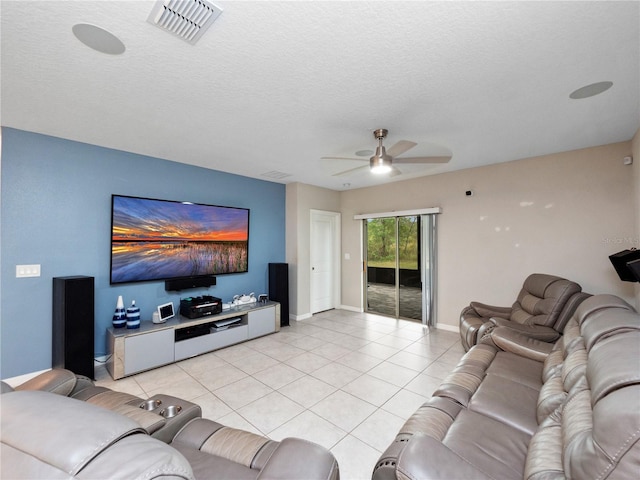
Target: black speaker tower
x: 279, y: 289
x: 73, y: 324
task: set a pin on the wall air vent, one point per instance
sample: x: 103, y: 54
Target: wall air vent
x: 188, y: 19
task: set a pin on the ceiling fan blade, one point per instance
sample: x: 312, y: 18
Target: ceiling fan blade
x: 360, y: 159
x: 421, y: 160
x: 351, y: 170
x: 400, y: 147
x: 394, y: 172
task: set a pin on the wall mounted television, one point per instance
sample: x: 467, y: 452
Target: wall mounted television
x: 164, y: 239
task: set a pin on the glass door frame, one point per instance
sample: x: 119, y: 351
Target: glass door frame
x: 428, y: 259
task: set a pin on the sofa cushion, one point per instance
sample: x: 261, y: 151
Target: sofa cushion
x: 481, y: 446
x: 508, y: 402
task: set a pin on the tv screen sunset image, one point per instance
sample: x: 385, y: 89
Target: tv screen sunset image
x: 158, y: 239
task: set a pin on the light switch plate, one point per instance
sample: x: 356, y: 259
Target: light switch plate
x: 24, y: 271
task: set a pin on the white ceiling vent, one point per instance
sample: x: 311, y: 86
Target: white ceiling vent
x: 188, y: 19
x: 276, y: 175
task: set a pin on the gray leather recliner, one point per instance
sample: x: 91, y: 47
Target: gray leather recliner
x: 150, y: 414
x: 94, y: 425
x: 46, y: 435
x: 543, y: 307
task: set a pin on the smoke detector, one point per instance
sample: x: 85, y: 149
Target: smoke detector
x: 187, y: 19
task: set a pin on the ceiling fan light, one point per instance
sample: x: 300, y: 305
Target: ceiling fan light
x: 380, y: 169
x: 380, y: 163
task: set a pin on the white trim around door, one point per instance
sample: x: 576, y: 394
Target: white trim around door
x: 324, y: 259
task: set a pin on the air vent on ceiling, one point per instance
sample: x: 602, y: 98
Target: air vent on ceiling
x: 275, y: 174
x: 188, y: 19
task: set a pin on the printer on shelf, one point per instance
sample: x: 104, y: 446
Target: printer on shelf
x: 196, y: 307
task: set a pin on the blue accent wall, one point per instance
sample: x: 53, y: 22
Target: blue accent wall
x: 56, y: 212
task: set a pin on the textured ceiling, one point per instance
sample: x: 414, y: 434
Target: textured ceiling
x: 275, y: 86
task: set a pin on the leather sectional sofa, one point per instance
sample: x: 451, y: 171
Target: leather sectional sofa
x: 60, y: 425
x: 517, y: 407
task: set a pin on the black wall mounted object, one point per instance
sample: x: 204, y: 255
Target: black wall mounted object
x: 190, y: 282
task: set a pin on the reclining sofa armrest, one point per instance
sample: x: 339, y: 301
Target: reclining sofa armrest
x: 538, y: 332
x: 516, y: 342
x: 297, y: 458
x: 413, y: 463
x: 57, y: 380
x: 484, y: 310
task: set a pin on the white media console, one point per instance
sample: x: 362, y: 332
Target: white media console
x: 155, y: 344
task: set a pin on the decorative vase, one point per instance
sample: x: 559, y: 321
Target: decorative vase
x: 120, y: 316
x: 133, y: 316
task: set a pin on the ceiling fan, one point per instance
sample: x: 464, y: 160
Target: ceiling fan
x: 382, y: 162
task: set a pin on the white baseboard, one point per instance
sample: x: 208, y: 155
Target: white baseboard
x: 20, y: 379
x: 448, y: 328
x: 297, y: 318
x: 351, y: 309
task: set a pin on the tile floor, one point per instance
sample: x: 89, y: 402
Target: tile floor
x: 344, y: 380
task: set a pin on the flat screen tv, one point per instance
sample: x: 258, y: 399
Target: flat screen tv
x: 163, y: 239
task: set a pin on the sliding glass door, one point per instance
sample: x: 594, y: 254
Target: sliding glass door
x: 399, y: 273
x: 409, y: 268
x: 394, y: 280
x: 381, y: 260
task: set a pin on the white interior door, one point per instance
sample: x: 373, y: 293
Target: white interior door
x: 324, y: 257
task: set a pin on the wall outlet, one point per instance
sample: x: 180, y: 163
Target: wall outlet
x: 24, y: 271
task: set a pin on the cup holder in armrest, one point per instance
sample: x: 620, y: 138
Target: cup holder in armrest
x: 171, y: 411
x: 151, y: 404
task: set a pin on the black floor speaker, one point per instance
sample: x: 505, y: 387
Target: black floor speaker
x: 279, y: 289
x: 73, y: 324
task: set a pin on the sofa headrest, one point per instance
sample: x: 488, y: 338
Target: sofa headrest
x: 538, y: 284
x: 613, y: 364
x: 542, y: 299
x: 599, y: 302
x: 604, y: 323
x: 58, y: 431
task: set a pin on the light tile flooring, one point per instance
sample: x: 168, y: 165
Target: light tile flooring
x: 344, y: 380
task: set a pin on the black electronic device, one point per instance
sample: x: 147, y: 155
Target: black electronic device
x: 226, y: 323
x: 185, y: 283
x: 620, y: 262
x: 196, y: 307
x: 192, y: 332
x: 634, y: 268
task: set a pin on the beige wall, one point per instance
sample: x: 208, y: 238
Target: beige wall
x: 562, y: 214
x: 635, y: 149
x: 300, y: 200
